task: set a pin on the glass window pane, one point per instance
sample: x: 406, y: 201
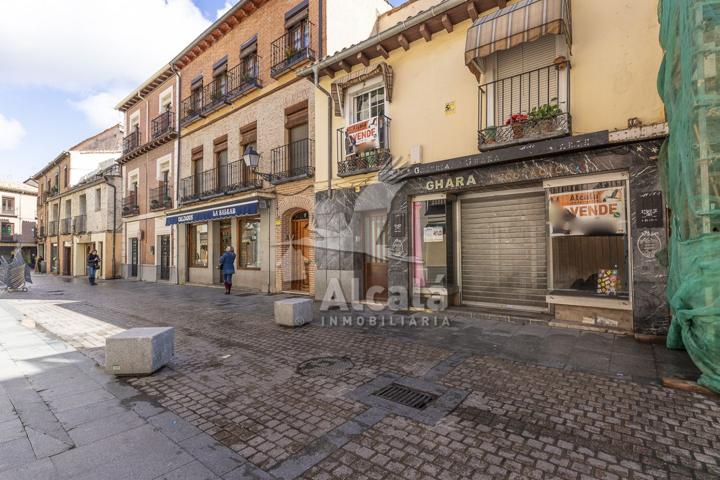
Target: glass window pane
x: 249, y: 243
x: 431, y: 237
x: 198, y: 245
x: 588, y: 229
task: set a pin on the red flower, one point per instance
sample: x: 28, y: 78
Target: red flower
x: 516, y: 118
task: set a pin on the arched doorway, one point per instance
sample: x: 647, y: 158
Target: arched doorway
x: 299, y: 252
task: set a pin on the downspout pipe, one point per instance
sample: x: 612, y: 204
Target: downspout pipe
x: 176, y: 181
x: 109, y: 183
x: 316, y: 78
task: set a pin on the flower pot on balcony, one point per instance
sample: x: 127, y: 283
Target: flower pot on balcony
x: 518, y: 129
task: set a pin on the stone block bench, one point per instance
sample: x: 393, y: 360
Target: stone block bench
x: 139, y: 351
x: 293, y: 312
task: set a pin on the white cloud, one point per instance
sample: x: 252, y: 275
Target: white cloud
x: 11, y: 132
x: 100, y: 108
x: 228, y: 5
x: 92, y: 45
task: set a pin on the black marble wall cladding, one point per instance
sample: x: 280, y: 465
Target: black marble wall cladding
x: 339, y: 217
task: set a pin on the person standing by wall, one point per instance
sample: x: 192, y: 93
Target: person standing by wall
x: 93, y: 263
x: 227, y: 267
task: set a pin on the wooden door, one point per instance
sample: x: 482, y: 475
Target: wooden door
x: 375, y: 266
x: 300, y: 252
x: 67, y: 260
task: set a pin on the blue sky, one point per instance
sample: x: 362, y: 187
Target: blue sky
x: 62, y: 76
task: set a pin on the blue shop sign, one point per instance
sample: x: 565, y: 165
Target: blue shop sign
x: 236, y: 210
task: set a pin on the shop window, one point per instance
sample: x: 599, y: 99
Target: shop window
x: 588, y: 233
x: 198, y: 243
x: 432, y: 243
x: 249, y: 243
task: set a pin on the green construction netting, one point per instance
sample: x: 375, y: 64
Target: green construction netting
x: 689, y: 83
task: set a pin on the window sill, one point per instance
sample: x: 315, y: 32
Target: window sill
x: 589, y: 300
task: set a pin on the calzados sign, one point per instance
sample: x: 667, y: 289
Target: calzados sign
x: 362, y: 136
x: 586, y: 212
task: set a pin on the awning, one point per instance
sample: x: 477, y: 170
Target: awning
x: 340, y: 86
x: 223, y: 211
x: 521, y: 22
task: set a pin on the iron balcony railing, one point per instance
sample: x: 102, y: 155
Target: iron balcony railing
x: 222, y: 90
x: 80, y: 224
x: 52, y: 228
x: 131, y: 141
x: 161, y: 197
x: 9, y: 238
x: 40, y: 232
x: 292, y: 48
x: 365, y: 146
x: 130, y: 205
x: 8, y: 212
x: 224, y: 180
x: 526, y: 107
x: 162, y: 124
x: 66, y: 226
x: 293, y: 161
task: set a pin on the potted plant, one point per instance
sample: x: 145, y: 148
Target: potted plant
x: 489, y: 135
x: 290, y: 51
x: 516, y: 121
x: 544, y: 115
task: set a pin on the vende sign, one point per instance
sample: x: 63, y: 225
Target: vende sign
x: 599, y: 211
x: 362, y: 136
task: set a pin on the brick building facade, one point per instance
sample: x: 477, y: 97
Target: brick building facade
x: 239, y: 93
x: 149, y: 173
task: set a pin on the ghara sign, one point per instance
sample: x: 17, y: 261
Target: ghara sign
x: 459, y: 181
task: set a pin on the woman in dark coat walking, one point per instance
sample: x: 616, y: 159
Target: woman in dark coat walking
x: 227, y: 267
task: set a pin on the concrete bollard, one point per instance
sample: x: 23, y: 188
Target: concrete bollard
x: 293, y: 312
x: 139, y: 351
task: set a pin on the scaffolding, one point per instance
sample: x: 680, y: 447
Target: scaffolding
x: 689, y: 83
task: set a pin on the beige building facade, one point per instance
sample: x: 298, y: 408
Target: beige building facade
x: 475, y: 162
x: 18, y: 215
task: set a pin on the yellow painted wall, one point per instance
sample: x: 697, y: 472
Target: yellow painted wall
x: 615, y: 60
x: 616, y: 56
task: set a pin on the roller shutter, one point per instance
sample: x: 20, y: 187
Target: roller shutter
x: 503, y: 248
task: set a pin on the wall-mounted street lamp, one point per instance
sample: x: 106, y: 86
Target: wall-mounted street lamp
x: 252, y: 160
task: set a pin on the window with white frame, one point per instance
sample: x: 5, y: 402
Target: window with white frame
x: 133, y: 122
x: 165, y: 103
x: 368, y: 104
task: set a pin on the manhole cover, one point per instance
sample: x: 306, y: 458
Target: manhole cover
x: 325, y: 366
x: 405, y: 396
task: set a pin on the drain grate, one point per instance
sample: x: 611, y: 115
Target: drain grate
x: 325, y: 366
x: 405, y: 396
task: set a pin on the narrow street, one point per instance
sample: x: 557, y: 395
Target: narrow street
x: 241, y: 399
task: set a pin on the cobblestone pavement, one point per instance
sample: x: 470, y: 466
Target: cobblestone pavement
x: 235, y: 377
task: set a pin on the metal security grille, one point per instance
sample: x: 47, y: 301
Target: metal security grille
x: 504, y: 252
x: 405, y: 396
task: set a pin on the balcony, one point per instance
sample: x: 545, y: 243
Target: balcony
x: 52, y: 228
x: 40, y: 232
x: 293, y: 161
x: 80, y: 224
x: 66, y: 226
x: 292, y: 49
x: 131, y: 141
x: 162, y: 124
x: 8, y: 212
x: 366, y: 146
x: 130, y: 205
x: 9, y: 238
x: 161, y: 198
x: 237, y: 81
x: 225, y: 180
x: 525, y: 108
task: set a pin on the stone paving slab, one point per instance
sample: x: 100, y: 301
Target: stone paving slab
x: 542, y: 402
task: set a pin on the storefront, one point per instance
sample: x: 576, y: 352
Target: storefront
x: 204, y: 234
x: 575, y: 238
